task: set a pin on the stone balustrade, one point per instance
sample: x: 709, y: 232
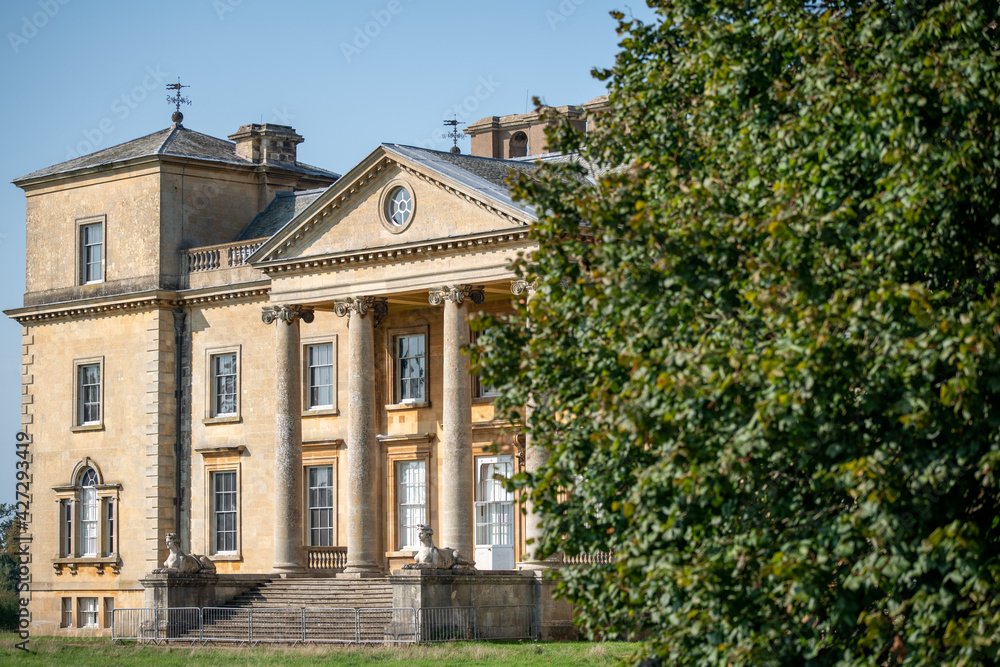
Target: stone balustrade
x: 222, y: 256
x: 598, y: 558
x: 326, y: 558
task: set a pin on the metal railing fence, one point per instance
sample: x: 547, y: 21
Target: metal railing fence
x: 343, y: 625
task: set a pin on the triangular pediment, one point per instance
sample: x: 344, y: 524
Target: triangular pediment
x: 448, y: 198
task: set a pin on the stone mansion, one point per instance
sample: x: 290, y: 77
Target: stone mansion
x: 264, y: 357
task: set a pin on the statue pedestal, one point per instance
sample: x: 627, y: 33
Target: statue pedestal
x: 174, y: 589
x: 428, y: 588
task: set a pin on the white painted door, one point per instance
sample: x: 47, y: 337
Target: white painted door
x: 494, y: 514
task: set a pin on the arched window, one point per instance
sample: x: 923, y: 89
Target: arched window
x: 88, y: 513
x: 88, y: 517
x: 518, y: 145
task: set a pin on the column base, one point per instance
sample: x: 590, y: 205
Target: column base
x: 283, y: 569
x: 361, y: 570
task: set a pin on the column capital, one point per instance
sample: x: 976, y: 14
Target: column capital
x: 287, y: 314
x: 456, y: 294
x: 361, y: 306
x: 519, y: 287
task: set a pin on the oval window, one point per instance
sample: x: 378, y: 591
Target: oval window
x: 399, y: 207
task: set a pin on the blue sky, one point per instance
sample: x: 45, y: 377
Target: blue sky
x: 82, y: 75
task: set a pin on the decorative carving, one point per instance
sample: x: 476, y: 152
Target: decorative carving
x: 286, y: 314
x: 178, y: 561
x: 520, y: 441
x: 456, y: 294
x: 430, y: 557
x: 519, y: 287
x: 361, y: 306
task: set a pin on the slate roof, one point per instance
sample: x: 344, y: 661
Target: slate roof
x: 284, y: 207
x: 175, y: 140
x: 482, y: 174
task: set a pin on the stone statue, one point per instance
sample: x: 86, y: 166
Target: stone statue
x: 430, y: 557
x: 178, y: 561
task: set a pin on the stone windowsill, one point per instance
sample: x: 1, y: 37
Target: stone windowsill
x: 407, y: 406
x: 218, y: 450
x: 225, y: 558
x: 83, y: 428
x: 98, y: 562
x: 325, y: 412
x: 401, y: 554
x: 484, y: 400
x: 227, y: 419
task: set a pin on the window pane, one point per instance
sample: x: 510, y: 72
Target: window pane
x: 320, y: 376
x: 91, y: 253
x: 224, y: 384
x: 320, y: 510
x: 89, y: 393
x: 224, y: 511
x: 411, y: 501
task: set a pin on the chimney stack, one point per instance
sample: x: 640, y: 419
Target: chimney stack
x: 264, y: 143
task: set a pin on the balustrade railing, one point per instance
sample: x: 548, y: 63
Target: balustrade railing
x: 326, y: 558
x: 599, y: 558
x: 222, y: 256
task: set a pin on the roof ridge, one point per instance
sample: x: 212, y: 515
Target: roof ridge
x: 163, y: 144
x: 450, y: 154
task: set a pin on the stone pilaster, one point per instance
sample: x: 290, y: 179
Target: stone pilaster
x: 161, y: 420
x: 287, y: 436
x: 363, y: 521
x: 457, y: 473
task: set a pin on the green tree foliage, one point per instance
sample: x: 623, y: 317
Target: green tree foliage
x: 9, y: 531
x: 764, y: 345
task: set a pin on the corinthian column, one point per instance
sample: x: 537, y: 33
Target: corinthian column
x: 534, y: 458
x: 364, y: 314
x: 287, y: 437
x: 457, y: 475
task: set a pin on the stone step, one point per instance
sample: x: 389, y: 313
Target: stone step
x: 320, y: 592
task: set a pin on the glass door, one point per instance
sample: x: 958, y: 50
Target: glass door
x: 494, y: 514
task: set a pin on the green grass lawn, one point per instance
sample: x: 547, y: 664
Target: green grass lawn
x: 102, y: 652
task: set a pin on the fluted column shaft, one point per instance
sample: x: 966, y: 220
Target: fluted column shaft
x: 458, y: 520
x: 287, y: 437
x: 362, y: 445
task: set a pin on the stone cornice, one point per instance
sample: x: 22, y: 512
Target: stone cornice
x: 137, y: 302
x: 395, y: 253
x: 477, y: 201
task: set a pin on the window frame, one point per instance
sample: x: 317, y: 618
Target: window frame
x: 81, y: 224
x: 310, y: 528
x: 89, y: 506
x: 70, y: 523
x: 109, y: 611
x: 393, y: 386
x: 388, y: 190
x: 66, y: 613
x: 402, y: 448
x: 211, y: 416
x: 214, y: 512
x: 401, y: 528
x: 333, y: 409
x: 77, y: 423
x: 83, y: 613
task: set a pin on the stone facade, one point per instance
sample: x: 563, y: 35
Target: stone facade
x: 184, y: 368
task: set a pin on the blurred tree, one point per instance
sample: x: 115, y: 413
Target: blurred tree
x: 763, y: 346
x: 9, y: 532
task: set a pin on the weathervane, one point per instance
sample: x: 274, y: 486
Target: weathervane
x: 177, y: 100
x: 454, y: 134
